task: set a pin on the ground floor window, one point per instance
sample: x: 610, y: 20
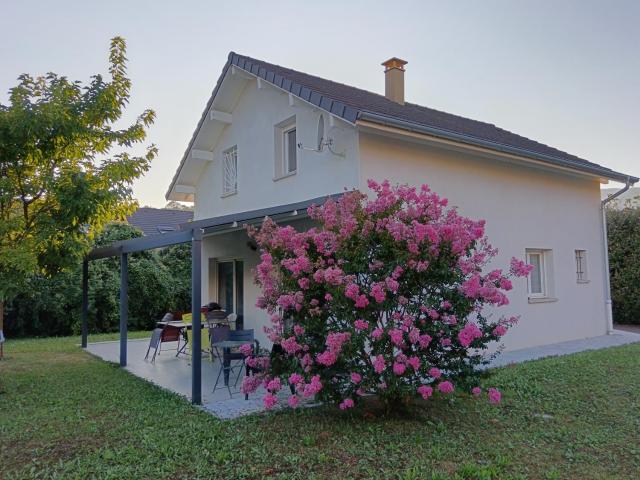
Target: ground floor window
x: 540, y: 281
x: 581, y: 266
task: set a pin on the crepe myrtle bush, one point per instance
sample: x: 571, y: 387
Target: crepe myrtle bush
x: 386, y: 296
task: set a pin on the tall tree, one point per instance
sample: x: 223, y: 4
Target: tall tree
x: 66, y: 168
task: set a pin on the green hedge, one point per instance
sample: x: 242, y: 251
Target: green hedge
x: 624, y: 260
x: 159, y: 281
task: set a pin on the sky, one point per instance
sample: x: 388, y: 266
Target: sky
x: 562, y: 72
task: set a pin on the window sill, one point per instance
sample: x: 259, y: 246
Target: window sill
x: 286, y: 175
x: 542, y: 299
x: 228, y: 194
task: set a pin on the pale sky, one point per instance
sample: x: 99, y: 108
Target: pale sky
x: 565, y: 73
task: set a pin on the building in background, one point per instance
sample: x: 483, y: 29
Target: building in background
x: 153, y: 221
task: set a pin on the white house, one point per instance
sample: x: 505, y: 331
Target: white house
x: 274, y: 137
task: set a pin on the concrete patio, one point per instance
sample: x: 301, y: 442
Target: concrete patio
x: 174, y: 374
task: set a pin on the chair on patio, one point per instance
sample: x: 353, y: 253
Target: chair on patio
x: 204, y: 334
x: 160, y: 335
x: 230, y: 354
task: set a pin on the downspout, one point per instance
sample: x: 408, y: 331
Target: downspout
x: 607, y: 279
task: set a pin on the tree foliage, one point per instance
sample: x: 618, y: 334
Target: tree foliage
x: 386, y: 296
x: 159, y: 281
x: 623, y: 226
x: 66, y: 169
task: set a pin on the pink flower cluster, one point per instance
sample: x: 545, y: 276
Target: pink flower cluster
x: 382, y: 295
x: 468, y: 334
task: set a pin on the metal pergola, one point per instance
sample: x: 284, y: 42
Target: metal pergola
x: 190, y: 232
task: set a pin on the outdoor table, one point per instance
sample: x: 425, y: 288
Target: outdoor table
x: 175, y: 323
x: 182, y: 326
x: 226, y: 346
x: 230, y: 343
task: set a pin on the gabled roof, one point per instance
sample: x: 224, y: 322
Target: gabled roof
x: 153, y: 221
x: 353, y: 104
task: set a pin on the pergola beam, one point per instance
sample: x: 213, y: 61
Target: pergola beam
x: 140, y: 244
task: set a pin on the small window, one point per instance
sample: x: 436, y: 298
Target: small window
x: 290, y: 148
x: 230, y: 171
x: 286, y: 148
x: 537, y: 287
x: 581, y: 266
x: 540, y: 282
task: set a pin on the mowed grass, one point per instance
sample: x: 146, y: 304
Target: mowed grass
x: 65, y: 414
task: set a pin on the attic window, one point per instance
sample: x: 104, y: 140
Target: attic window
x: 286, y: 148
x: 290, y: 146
x: 230, y: 171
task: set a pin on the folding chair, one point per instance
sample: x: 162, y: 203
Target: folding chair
x: 166, y: 333
x: 228, y: 356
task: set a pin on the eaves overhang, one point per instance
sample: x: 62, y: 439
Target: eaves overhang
x: 592, y: 169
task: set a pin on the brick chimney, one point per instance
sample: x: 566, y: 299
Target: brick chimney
x: 394, y: 79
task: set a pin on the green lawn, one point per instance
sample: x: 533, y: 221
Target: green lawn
x: 65, y: 414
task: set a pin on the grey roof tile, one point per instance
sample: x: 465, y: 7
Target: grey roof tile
x: 153, y: 221
x: 352, y: 103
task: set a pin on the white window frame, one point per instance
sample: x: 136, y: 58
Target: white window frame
x: 542, y: 293
x: 582, y: 272
x: 285, y: 150
x: 216, y: 264
x: 281, y: 151
x: 230, y: 171
x: 546, y: 276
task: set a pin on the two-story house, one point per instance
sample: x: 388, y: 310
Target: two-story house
x: 270, y: 136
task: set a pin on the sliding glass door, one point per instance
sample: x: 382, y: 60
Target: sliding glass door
x: 230, y: 275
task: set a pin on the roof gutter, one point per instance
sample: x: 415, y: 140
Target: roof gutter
x: 605, y: 241
x: 500, y: 147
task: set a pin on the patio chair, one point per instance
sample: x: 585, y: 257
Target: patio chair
x: 217, y: 334
x: 231, y: 318
x: 229, y: 355
x: 204, y: 334
x: 216, y: 317
x: 166, y: 333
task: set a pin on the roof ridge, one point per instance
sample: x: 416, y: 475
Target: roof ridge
x: 381, y: 96
x: 410, y: 104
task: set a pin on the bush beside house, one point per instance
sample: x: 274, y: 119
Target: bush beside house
x: 386, y: 296
x: 624, y: 262
x: 158, y: 280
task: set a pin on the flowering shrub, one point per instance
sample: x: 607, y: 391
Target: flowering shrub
x: 386, y: 296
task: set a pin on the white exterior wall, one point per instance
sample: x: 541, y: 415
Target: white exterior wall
x: 255, y: 115
x: 524, y: 208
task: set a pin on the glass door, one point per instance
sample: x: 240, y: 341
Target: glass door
x: 230, y: 286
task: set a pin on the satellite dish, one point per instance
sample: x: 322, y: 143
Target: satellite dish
x: 320, y: 141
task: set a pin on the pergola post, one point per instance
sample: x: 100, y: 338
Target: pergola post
x: 196, y: 281
x: 124, y: 308
x: 85, y: 302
